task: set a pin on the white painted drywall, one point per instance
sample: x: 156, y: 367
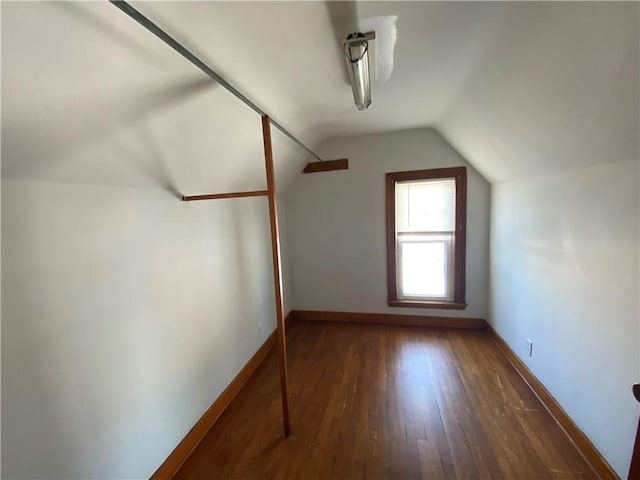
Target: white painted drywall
x: 516, y: 86
x: 125, y: 314
x: 121, y: 108
x: 125, y: 311
x: 285, y: 264
x: 336, y: 224
x: 553, y: 87
x: 564, y: 269
x: 501, y: 80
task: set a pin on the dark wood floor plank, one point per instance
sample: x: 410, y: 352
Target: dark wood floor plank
x: 434, y: 427
x: 558, y: 459
x: 493, y: 402
x: 387, y: 402
x: 451, y: 406
x: 483, y: 454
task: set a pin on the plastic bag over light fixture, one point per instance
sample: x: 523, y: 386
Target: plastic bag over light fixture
x: 356, y: 54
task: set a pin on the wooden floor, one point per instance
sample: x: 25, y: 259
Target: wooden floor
x: 379, y: 401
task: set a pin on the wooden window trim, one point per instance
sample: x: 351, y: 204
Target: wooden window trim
x: 459, y: 174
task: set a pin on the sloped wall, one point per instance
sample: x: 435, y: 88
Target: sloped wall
x: 125, y: 311
x: 337, y: 224
x: 564, y: 269
x: 554, y: 87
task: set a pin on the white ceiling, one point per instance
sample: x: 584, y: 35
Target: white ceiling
x: 520, y: 89
x: 556, y: 88
x: 286, y: 55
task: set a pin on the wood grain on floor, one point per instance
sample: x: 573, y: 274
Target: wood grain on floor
x: 381, y: 401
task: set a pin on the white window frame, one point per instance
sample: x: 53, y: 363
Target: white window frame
x: 429, y: 237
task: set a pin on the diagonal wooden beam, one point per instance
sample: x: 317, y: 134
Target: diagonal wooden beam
x: 277, y: 275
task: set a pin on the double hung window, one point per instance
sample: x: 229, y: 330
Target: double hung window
x: 426, y: 227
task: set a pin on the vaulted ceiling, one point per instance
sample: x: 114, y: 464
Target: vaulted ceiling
x: 521, y: 89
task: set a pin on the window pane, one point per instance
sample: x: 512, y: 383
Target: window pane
x: 425, y: 206
x: 423, y: 268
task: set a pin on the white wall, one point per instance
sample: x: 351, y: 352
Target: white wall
x: 564, y: 269
x: 125, y: 311
x: 337, y: 225
x: 125, y: 314
x: 285, y: 264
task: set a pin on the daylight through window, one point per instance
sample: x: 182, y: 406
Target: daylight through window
x: 427, y: 211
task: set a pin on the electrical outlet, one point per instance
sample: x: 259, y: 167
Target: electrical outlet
x: 529, y: 347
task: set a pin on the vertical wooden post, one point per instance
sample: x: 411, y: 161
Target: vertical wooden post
x: 634, y: 469
x: 277, y: 277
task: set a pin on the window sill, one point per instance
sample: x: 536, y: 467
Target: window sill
x: 427, y: 304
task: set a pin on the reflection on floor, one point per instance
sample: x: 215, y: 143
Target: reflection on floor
x: 379, y: 401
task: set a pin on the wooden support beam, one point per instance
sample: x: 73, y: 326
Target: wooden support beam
x: 634, y: 469
x: 216, y: 196
x: 277, y: 276
x: 327, y: 166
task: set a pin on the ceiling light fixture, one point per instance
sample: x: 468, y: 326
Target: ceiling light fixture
x: 356, y: 54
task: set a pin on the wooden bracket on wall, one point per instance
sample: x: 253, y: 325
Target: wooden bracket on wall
x: 327, y: 166
x: 270, y: 193
x: 216, y: 196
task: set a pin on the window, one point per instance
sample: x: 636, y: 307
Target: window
x: 426, y: 230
